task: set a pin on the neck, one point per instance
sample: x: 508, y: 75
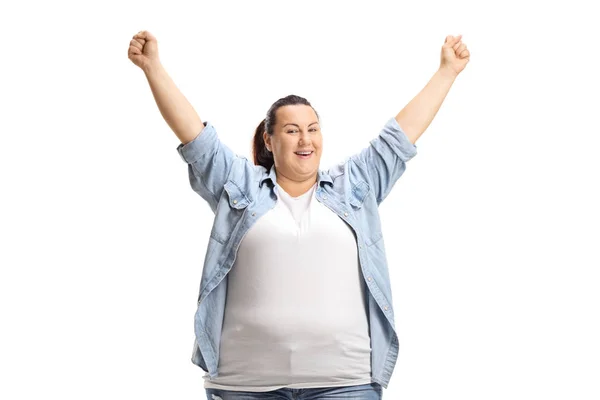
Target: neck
x: 296, y: 188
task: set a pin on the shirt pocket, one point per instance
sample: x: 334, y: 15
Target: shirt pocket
x: 358, y: 195
x: 367, y: 217
x: 232, y: 204
x: 237, y: 198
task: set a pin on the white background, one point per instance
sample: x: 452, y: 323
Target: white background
x: 491, y: 233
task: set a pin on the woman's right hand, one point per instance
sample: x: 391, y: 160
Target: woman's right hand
x: 143, y: 50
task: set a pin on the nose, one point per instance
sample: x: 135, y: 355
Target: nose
x: 304, y: 138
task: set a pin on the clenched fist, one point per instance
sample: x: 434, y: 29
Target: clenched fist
x: 143, y: 50
x: 455, y: 55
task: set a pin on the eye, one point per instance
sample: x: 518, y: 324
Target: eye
x: 295, y: 130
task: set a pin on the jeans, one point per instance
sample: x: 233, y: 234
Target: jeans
x: 368, y: 391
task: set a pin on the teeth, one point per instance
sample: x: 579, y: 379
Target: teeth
x: 304, y: 152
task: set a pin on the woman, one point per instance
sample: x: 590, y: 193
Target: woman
x: 306, y: 309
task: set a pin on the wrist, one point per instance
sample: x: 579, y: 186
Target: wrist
x: 152, y: 67
x: 447, y: 73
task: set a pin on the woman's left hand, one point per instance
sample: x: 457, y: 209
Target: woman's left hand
x: 455, y: 55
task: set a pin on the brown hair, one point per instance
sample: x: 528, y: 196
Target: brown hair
x: 259, y: 150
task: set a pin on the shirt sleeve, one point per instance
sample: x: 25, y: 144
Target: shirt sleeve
x: 384, y: 160
x: 209, y: 163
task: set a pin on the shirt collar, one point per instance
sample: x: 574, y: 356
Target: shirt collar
x: 322, y: 176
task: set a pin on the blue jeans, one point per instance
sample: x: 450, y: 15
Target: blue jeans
x: 369, y: 391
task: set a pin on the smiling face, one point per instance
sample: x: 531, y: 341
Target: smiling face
x: 297, y: 130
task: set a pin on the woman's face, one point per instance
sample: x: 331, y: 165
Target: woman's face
x: 297, y: 130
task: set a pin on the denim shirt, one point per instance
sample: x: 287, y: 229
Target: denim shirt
x: 239, y: 193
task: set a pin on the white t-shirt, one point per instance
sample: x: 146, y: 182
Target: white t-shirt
x: 296, y: 308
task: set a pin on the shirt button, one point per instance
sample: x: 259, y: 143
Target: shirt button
x: 385, y: 308
x: 369, y: 279
x: 324, y: 197
x: 235, y: 202
x: 253, y: 214
x: 345, y: 214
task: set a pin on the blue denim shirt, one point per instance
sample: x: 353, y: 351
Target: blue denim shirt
x: 239, y: 193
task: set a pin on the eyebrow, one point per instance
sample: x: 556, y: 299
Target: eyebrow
x: 312, y: 123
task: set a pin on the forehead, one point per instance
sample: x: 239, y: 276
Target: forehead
x: 296, y: 114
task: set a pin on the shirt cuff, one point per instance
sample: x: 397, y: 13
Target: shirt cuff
x: 400, y: 143
x: 202, y: 143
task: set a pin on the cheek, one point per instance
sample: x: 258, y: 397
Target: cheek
x: 284, y: 151
x: 319, y: 142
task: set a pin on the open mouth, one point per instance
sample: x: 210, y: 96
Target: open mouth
x: 304, y: 154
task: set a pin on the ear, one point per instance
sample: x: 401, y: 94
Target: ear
x: 267, y: 139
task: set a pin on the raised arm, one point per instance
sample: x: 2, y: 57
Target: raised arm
x: 174, y: 107
x: 416, y: 116
x: 384, y: 160
x: 209, y: 160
